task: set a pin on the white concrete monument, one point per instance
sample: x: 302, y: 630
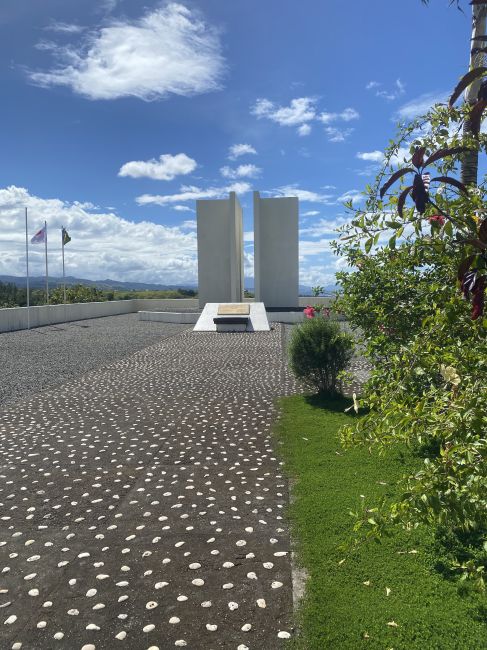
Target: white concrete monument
x: 220, y: 250
x: 276, y: 251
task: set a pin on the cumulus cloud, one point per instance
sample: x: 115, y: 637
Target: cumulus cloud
x: 169, y: 50
x: 356, y: 196
x: 325, y: 227
x: 337, y: 135
x: 301, y: 112
x: 164, y: 169
x: 346, y: 115
x: 242, y: 171
x: 371, y: 156
x: 237, y: 150
x: 104, y: 245
x: 182, y: 208
x: 192, y: 193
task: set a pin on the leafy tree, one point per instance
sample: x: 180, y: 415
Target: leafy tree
x: 77, y: 293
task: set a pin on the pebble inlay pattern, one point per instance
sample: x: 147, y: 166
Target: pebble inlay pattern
x: 141, y: 505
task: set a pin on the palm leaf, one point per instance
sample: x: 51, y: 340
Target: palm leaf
x: 394, y: 178
x: 402, y: 200
x: 451, y: 181
x: 465, y: 81
x: 442, y: 153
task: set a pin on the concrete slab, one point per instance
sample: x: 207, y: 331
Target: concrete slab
x: 257, y: 318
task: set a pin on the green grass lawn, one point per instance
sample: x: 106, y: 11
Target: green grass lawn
x: 339, y: 611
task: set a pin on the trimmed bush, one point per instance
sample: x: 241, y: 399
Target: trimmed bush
x: 318, y: 352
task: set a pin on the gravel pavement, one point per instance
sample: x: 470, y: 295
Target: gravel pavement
x: 142, y: 505
x: 31, y: 361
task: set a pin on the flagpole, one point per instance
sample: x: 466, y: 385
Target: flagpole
x: 64, y: 279
x: 47, y: 273
x: 27, y: 269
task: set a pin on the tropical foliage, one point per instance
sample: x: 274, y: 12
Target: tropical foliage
x: 415, y: 292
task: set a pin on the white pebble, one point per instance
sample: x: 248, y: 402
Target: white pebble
x: 58, y: 636
x: 174, y: 620
x: 241, y: 542
x: 276, y: 584
x: 48, y: 603
x: 198, y: 582
x: 151, y: 604
x: 73, y: 612
x: 261, y: 603
x: 195, y: 565
x: 180, y: 643
x: 181, y: 599
x: 228, y: 565
x: 17, y: 646
x: 41, y: 625
x: 98, y: 606
x: 33, y: 592
x: 160, y: 585
x: 232, y: 606
x: 148, y: 628
x: 92, y: 626
x: 246, y: 628
x: 228, y: 585
x: 242, y: 647
x: 211, y: 628
x: 268, y: 565
x: 90, y: 593
x: 252, y: 576
x: 88, y: 646
x: 284, y: 635
x: 206, y: 603
x: 10, y: 620
x: 121, y: 635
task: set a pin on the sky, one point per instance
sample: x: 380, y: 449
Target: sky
x: 117, y: 115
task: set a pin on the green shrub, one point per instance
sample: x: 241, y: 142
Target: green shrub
x: 318, y: 352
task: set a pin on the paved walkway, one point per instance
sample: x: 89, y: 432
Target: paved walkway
x: 141, y: 505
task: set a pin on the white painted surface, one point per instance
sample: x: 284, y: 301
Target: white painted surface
x: 276, y: 251
x: 220, y: 250
x: 258, y: 318
x: 169, y: 317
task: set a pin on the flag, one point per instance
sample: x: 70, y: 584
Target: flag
x: 66, y: 237
x: 39, y: 237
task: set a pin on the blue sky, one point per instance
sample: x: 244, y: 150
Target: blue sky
x: 117, y: 115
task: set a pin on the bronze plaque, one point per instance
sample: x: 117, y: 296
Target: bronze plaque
x: 234, y: 309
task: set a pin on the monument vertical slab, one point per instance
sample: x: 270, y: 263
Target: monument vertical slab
x: 220, y: 250
x: 276, y: 251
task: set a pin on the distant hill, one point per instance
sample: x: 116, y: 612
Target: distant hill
x: 38, y: 282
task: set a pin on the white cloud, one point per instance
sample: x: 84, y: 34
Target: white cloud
x: 182, y: 208
x: 372, y: 84
x: 242, y: 171
x: 103, y: 245
x: 311, y: 213
x: 237, y: 150
x: 164, y: 169
x: 64, y: 28
x: 192, y: 193
x: 325, y: 227
x: 189, y: 224
x: 356, y: 196
x: 170, y: 50
x: 337, y: 135
x: 398, y: 89
x: 304, y: 129
x: 419, y: 105
x: 303, y: 195
x: 299, y: 111
x: 371, y: 156
x: 346, y: 115
x: 309, y: 247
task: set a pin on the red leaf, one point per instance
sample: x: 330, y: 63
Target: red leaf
x: 442, y: 153
x: 402, y: 200
x: 465, y: 265
x: 475, y: 117
x: 393, y: 179
x: 483, y: 231
x: 451, y: 181
x: 418, y: 156
x: 465, y: 81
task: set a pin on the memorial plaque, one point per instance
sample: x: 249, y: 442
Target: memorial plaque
x: 234, y: 309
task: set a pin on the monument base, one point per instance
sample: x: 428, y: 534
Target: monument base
x: 213, y: 316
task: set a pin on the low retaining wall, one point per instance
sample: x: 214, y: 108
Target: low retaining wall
x: 16, y: 317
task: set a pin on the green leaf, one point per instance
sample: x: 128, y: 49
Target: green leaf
x: 368, y: 244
